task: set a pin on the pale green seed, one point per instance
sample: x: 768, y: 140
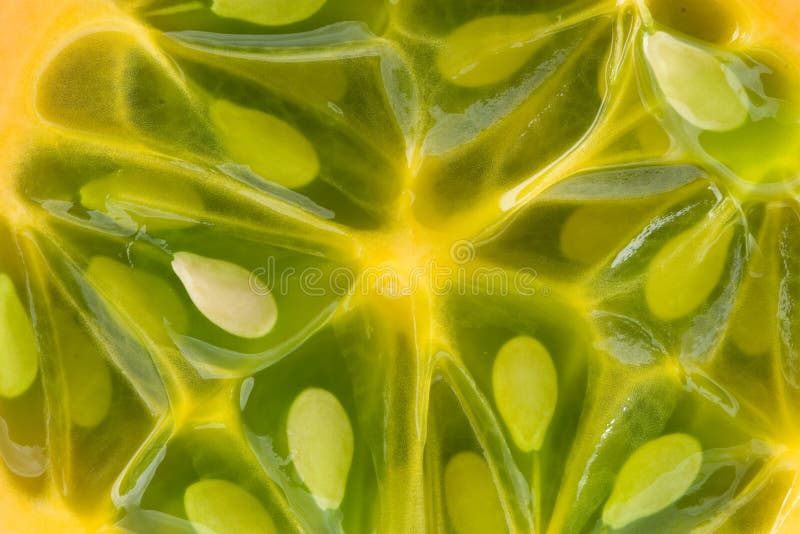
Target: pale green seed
x: 271, y: 147
x: 267, y: 12
x: 696, y: 84
x: 89, y: 387
x: 471, y: 496
x: 753, y: 326
x: 156, y: 201
x: 19, y: 361
x: 320, y: 444
x: 86, y: 374
x: 687, y: 269
x: 223, y: 292
x: 226, y: 508
x: 525, y: 388
x: 139, y: 298
x: 488, y: 50
x: 657, y: 474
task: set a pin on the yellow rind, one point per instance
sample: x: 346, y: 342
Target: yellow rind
x: 774, y: 24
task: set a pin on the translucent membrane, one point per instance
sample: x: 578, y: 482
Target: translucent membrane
x: 703, y: 91
x: 18, y: 354
x: 525, y: 389
x: 321, y: 444
x: 488, y: 50
x: 657, y: 474
x: 151, y: 199
x: 226, y: 508
x: 222, y: 291
x: 271, y: 147
x: 471, y: 497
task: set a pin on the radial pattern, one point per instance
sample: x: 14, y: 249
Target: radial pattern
x: 408, y: 266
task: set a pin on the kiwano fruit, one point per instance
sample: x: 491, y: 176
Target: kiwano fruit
x: 462, y: 266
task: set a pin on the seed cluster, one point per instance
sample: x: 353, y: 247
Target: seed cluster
x: 640, y: 168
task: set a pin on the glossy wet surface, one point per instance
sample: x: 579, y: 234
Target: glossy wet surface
x: 416, y: 266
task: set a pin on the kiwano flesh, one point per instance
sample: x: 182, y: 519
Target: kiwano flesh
x: 399, y: 266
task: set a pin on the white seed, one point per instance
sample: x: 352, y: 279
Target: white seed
x: 471, y: 496
x: 696, y: 84
x: 657, y: 474
x: 19, y: 361
x: 226, y: 508
x: 223, y: 292
x: 321, y: 444
x: 525, y: 388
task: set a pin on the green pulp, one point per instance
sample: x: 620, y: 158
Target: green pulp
x: 618, y: 260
